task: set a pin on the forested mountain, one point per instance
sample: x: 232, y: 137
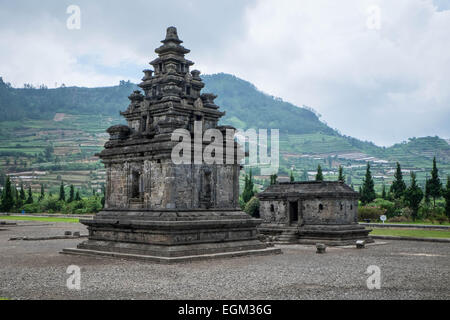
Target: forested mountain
x: 43, y: 103
x: 245, y: 106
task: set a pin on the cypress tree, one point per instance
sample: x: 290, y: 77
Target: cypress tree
x: 77, y: 196
x: 22, y: 193
x: 71, y: 194
x: 273, y: 179
x: 368, y: 189
x: 341, y: 177
x: 447, y: 197
x: 42, y: 195
x: 30, y: 196
x: 398, y: 187
x: 383, y: 192
x: 248, y: 188
x: 292, y: 179
x: 305, y: 176
x: 18, y: 203
x: 427, y: 191
x: 413, y: 196
x: 62, y: 194
x: 7, y: 196
x: 435, y: 185
x: 319, y: 175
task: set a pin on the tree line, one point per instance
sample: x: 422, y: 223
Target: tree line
x: 393, y: 201
x: 17, y: 200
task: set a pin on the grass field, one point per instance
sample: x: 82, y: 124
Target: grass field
x: 410, y: 233
x: 427, y: 223
x: 43, y: 219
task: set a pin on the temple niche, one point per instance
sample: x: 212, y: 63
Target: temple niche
x: 311, y: 212
x: 156, y: 209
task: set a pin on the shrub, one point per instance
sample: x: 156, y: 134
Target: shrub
x: 252, y: 207
x: 51, y: 204
x: 392, y: 208
x: 399, y: 219
x: 441, y: 219
x: 406, y: 212
x: 32, y: 208
x: 370, y: 212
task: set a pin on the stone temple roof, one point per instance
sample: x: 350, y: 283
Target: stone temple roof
x: 310, y: 189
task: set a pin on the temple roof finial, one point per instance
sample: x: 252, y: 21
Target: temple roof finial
x: 172, y: 35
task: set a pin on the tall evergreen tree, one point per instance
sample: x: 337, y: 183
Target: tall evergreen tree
x: 248, y: 192
x: 305, y: 176
x: 427, y: 191
x: 447, y: 197
x: 341, y: 177
x: 383, y: 192
x: 22, y: 193
x: 413, y: 196
x: 42, y: 195
x: 398, y: 187
x: 273, y: 179
x: 2, y: 178
x: 77, y: 196
x: 62, y: 194
x: 434, y: 184
x: 291, y: 177
x: 18, y: 202
x: 319, y: 175
x: 71, y: 194
x: 30, y: 196
x: 102, y: 201
x: 7, y: 196
x: 368, y: 189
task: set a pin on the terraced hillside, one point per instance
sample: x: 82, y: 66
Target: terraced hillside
x: 51, y: 135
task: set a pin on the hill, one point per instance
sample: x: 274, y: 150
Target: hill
x: 57, y: 131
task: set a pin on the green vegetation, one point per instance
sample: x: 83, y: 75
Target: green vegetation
x: 252, y: 207
x: 43, y: 103
x: 434, y: 184
x: 398, y: 187
x: 419, y: 222
x: 411, y: 204
x: 446, y: 195
x: 249, y: 188
x: 413, y: 196
x: 415, y: 233
x: 56, y: 132
x: 368, y: 189
x: 341, y: 176
x: 43, y: 219
x: 319, y: 175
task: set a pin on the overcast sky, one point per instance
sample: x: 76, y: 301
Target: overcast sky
x: 380, y: 80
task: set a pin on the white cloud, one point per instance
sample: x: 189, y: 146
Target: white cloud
x: 382, y: 85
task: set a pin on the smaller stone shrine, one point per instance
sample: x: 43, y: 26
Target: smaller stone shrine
x: 311, y: 212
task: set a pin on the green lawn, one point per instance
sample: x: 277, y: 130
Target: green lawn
x: 416, y: 233
x: 44, y: 219
x: 420, y: 222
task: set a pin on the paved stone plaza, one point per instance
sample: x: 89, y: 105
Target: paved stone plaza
x: 35, y: 270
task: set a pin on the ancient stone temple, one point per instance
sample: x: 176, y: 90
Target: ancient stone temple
x: 311, y: 212
x: 156, y: 209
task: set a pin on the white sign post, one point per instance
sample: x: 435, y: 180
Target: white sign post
x: 383, y: 218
